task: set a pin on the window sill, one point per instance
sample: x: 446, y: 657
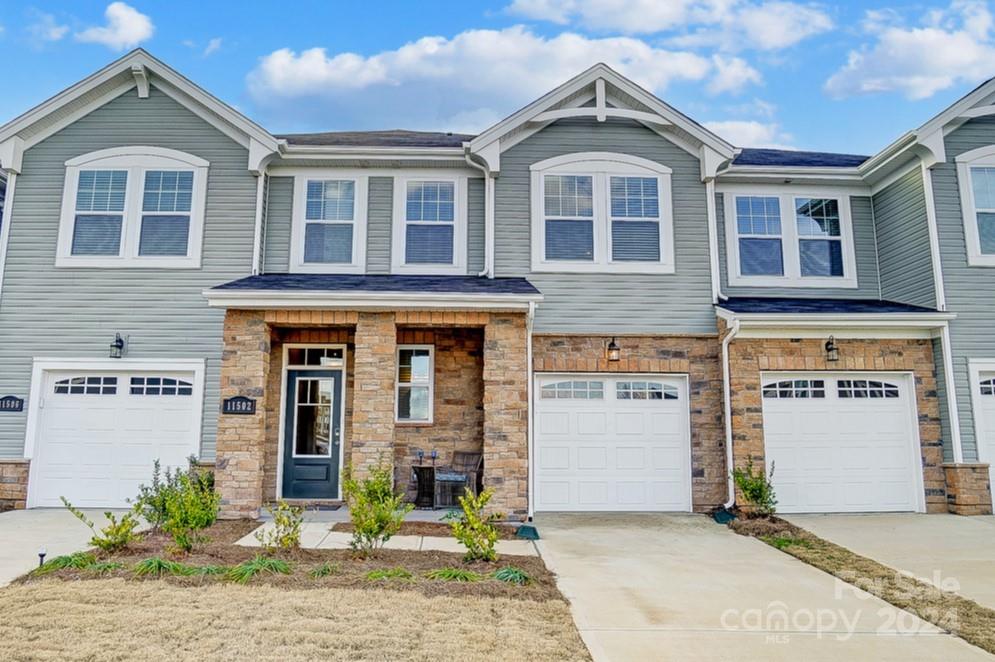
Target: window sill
x: 328, y: 268
x: 413, y: 424
x: 67, y: 262
x: 429, y: 269
x: 980, y: 260
x: 791, y: 283
x: 573, y: 268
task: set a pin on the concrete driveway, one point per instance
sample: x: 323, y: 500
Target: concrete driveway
x: 679, y: 587
x: 955, y: 553
x: 23, y: 532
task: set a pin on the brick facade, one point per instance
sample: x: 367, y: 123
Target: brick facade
x: 13, y: 484
x: 375, y: 369
x: 695, y: 356
x: 748, y: 357
x: 968, y: 491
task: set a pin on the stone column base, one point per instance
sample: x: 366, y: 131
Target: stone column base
x: 14, y: 484
x: 968, y: 491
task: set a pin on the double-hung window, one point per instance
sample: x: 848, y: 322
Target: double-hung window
x: 415, y: 383
x: 976, y: 175
x: 783, y: 239
x: 601, y: 212
x: 430, y: 219
x: 329, y: 223
x: 133, y: 207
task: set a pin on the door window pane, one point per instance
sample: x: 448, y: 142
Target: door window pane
x: 312, y: 434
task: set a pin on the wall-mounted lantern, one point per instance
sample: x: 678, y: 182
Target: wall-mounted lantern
x: 832, y: 351
x: 612, y: 351
x: 117, y: 347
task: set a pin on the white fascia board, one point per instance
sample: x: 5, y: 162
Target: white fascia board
x: 324, y: 300
x: 359, y: 152
x: 778, y: 174
x: 854, y: 320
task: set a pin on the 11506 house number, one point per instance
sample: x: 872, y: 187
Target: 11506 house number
x: 238, y: 405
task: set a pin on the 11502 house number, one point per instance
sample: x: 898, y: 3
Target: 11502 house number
x: 238, y: 405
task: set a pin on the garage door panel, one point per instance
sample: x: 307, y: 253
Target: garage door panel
x: 630, y: 423
x: 592, y: 458
x: 554, y: 423
x: 590, y: 423
x: 553, y: 457
x: 630, y: 457
x: 592, y: 493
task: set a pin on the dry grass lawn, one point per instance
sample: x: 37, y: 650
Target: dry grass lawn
x: 115, y: 619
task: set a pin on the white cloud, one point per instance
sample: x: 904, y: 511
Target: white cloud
x: 213, y: 46
x: 732, y: 74
x: 725, y: 24
x: 126, y: 28
x: 948, y: 46
x: 45, y: 28
x: 749, y: 133
x: 462, y: 83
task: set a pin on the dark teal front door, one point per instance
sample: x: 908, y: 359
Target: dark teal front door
x: 312, y: 434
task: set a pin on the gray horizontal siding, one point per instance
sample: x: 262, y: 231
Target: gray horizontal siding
x: 609, y: 303
x: 864, y: 250
x: 380, y: 215
x: 968, y: 289
x: 76, y: 312
x: 903, y: 241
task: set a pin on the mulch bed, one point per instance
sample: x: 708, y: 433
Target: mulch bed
x: 351, y: 569
x: 432, y: 529
x: 949, y: 611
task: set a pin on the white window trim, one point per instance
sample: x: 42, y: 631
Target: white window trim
x: 790, y: 252
x: 359, y: 221
x: 600, y: 166
x: 431, y: 386
x: 399, y: 225
x: 981, y: 157
x: 136, y: 160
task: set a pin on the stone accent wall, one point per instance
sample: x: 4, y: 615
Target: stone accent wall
x: 458, y: 416
x: 696, y: 356
x: 374, y: 374
x: 968, y: 490
x: 13, y: 484
x: 506, y: 406
x: 749, y: 356
x: 242, y: 440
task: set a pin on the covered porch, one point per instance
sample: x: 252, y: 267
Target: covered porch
x: 364, y: 375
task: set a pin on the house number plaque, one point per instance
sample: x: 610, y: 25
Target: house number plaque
x: 11, y: 403
x: 238, y: 405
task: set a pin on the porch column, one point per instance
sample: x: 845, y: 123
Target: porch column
x: 506, y: 461
x: 245, y: 364
x: 373, y: 400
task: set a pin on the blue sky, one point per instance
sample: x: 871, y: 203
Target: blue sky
x: 846, y: 77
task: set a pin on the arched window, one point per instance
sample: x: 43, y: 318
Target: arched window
x: 795, y: 388
x: 573, y: 390
x: 86, y: 385
x: 865, y: 388
x: 645, y: 391
x: 987, y: 386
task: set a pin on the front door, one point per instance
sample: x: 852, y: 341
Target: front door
x: 313, y: 434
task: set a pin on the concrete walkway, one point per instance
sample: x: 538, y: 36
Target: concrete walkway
x: 680, y: 587
x: 955, y: 553
x: 24, y: 532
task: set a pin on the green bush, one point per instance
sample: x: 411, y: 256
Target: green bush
x: 116, y: 535
x: 757, y: 489
x: 512, y: 575
x: 387, y: 574
x: 475, y: 529
x: 151, y: 500
x: 454, y: 575
x: 325, y: 570
x: 76, y: 561
x: 104, y: 567
x: 192, y: 506
x: 286, y: 532
x: 375, y: 510
x: 246, y: 570
x: 157, y: 567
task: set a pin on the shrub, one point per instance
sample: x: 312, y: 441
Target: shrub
x: 325, y: 570
x: 286, y: 532
x: 116, y: 535
x: 77, y: 561
x: 387, y: 574
x: 192, y: 506
x: 104, y: 567
x: 454, y: 575
x: 474, y: 529
x: 375, y: 510
x: 151, y: 500
x: 757, y: 489
x: 246, y: 570
x: 157, y: 567
x: 785, y: 541
x: 210, y: 570
x: 512, y: 575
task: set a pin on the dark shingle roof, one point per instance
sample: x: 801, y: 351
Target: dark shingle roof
x: 343, y: 283
x: 791, y: 158
x: 782, y: 305
x: 391, y: 138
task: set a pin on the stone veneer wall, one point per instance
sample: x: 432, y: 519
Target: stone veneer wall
x: 373, y: 399
x: 749, y: 356
x: 968, y: 491
x: 458, y: 416
x: 13, y: 484
x: 695, y: 356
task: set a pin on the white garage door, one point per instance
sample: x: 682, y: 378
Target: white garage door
x: 606, y: 443
x: 99, y: 432
x: 842, y: 442
x: 984, y: 396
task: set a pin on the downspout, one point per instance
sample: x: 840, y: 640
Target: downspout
x: 488, y: 216
x: 727, y: 404
x: 713, y: 242
x: 529, y: 320
x: 257, y: 236
x: 8, y: 210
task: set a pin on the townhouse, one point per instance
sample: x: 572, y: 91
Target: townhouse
x: 608, y: 302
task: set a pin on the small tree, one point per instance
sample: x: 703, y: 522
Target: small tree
x: 475, y: 529
x: 376, y: 511
x: 286, y: 531
x: 192, y: 506
x: 116, y: 535
x: 757, y: 489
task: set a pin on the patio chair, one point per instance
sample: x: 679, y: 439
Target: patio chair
x: 466, y: 471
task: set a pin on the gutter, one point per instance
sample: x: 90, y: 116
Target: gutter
x: 727, y: 404
x: 257, y: 235
x: 488, y: 270
x: 8, y: 211
x: 353, y: 300
x: 713, y: 242
x: 530, y: 443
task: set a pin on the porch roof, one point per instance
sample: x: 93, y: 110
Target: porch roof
x: 374, y: 291
x: 780, y: 305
